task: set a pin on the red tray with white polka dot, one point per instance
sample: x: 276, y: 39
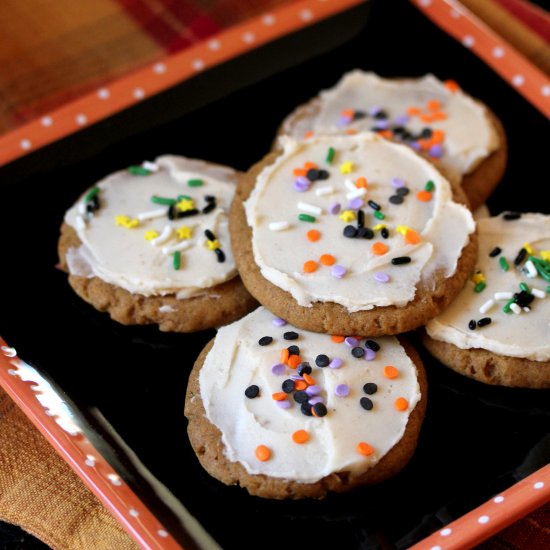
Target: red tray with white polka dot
x: 110, y: 398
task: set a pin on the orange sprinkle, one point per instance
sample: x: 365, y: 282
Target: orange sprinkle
x: 347, y: 112
x: 412, y: 237
x: 309, y: 379
x: 308, y: 134
x: 424, y: 196
x: 379, y: 248
x: 452, y: 86
x: 284, y: 356
x: 310, y: 266
x: 438, y: 136
x: 401, y: 404
x: 424, y: 144
x: 309, y: 165
x: 300, y: 436
x: 361, y: 183
x: 390, y: 372
x: 300, y: 385
x: 294, y: 361
x: 327, y: 259
x: 364, y: 449
x: 279, y: 396
x: 351, y: 131
x: 439, y: 116
x: 388, y: 134
x: 337, y: 339
x: 434, y: 105
x: 413, y: 111
x: 263, y: 453
x: 313, y: 235
x: 299, y: 172
x: 427, y: 118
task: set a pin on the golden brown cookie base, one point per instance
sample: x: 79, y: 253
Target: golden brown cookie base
x: 490, y: 368
x: 219, y: 305
x: 330, y: 317
x: 207, y: 443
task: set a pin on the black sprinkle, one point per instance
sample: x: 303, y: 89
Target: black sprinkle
x: 366, y: 403
x: 293, y: 350
x: 358, y: 352
x: 252, y: 391
x: 306, y: 409
x: 304, y: 368
x: 208, y: 208
x: 290, y: 335
x: 172, y: 212
x: 312, y: 174
x: 381, y: 114
x: 186, y: 214
x: 288, y: 385
x: 265, y: 340
x: 209, y: 198
x: 371, y: 344
x: 484, y: 322
x: 323, y: 175
x: 472, y: 324
x: 220, y: 254
x: 522, y: 254
x: 370, y: 388
x: 523, y: 298
x: 365, y: 233
x: 322, y: 360
x: 350, y: 232
x: 385, y: 233
x: 509, y: 216
x: 399, y: 130
x: 320, y: 409
x: 402, y: 191
x: 359, y: 114
x: 426, y: 133
x: 301, y: 396
x: 400, y: 260
x: 374, y: 205
x: 396, y: 199
x: 209, y: 235
x: 360, y: 219
x: 495, y: 252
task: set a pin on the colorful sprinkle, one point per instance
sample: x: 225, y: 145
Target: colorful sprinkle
x: 364, y: 449
x: 310, y: 266
x: 338, y: 271
x: 91, y: 194
x: 263, y: 453
x: 424, y: 196
x: 336, y: 363
x: 347, y: 216
x: 480, y: 287
x: 412, y: 237
x: 390, y: 372
x: 278, y: 369
x: 163, y: 200
x: 278, y: 226
x: 330, y: 155
x: 300, y: 437
x: 126, y: 222
x: 503, y: 263
x: 306, y: 218
x: 283, y: 404
x: 278, y: 322
x: 176, y: 261
x: 346, y: 167
x: 278, y: 396
x: 381, y: 277
x: 401, y: 404
x: 138, y: 171
x: 184, y: 232
x: 313, y: 235
x: 195, y: 183
x: 327, y: 259
x: 334, y: 208
x: 379, y: 248
x: 150, y: 235
x: 337, y: 339
x: 341, y: 390
x: 301, y: 184
x: 370, y: 355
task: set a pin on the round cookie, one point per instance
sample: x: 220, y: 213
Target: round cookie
x: 150, y: 245
x: 372, y: 243
x: 286, y: 413
x: 460, y: 134
x: 497, y: 330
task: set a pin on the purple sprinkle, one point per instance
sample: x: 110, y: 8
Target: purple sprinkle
x: 415, y: 145
x: 338, y: 271
x: 344, y: 121
x: 381, y: 277
x: 436, y: 151
x: 315, y: 400
x: 401, y: 120
x: 356, y: 203
x: 369, y: 354
x: 284, y: 404
x: 278, y: 369
x: 351, y: 342
x: 296, y: 377
x: 342, y: 390
x: 336, y: 363
x: 397, y: 183
x: 301, y: 184
x: 382, y: 124
x: 374, y: 110
x: 313, y: 390
x: 334, y: 208
x: 278, y: 322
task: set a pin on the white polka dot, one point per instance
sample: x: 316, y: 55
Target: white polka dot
x: 198, y: 64
x: 214, y: 44
x: 498, y: 499
x: 435, y: 547
x: 518, y: 80
x: 139, y: 93
x: 445, y: 532
x: 46, y: 121
x: 103, y: 93
x: 468, y: 41
x: 306, y: 15
x: 47, y: 411
x: 159, y: 68
x: 498, y: 52
x: 425, y: 3
x: 12, y: 372
x: 268, y: 19
x: 25, y: 144
x: 545, y: 90
x: 8, y: 352
x: 455, y: 14
x: 248, y: 37
x: 115, y: 480
x: 483, y: 519
x: 81, y: 119
x: 90, y: 461
x: 162, y: 533
x: 134, y: 513
x: 538, y: 485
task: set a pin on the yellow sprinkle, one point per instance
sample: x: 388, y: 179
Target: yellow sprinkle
x: 402, y: 229
x: 379, y: 226
x: 184, y: 232
x: 545, y: 255
x: 346, y: 167
x: 347, y: 216
x: 126, y: 222
x: 185, y: 204
x: 150, y: 235
x: 529, y: 249
x: 478, y: 277
x: 212, y: 245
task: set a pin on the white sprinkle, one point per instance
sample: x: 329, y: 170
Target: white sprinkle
x: 183, y: 245
x: 487, y: 306
x: 436, y: 547
x: 80, y: 223
x: 114, y: 479
x: 350, y: 185
x: 90, y: 461
x: 518, y: 80
x: 537, y: 293
x: 82, y: 207
x: 321, y: 191
x: 445, y: 532
x: 530, y: 269
x: 515, y: 308
x: 151, y: 166
x: 306, y: 207
x: 279, y: 226
x: 483, y: 519
x: 134, y: 513
x: 498, y: 499
x: 538, y: 485
x: 163, y: 237
x: 162, y: 533
x: 357, y: 192
x: 527, y: 309
x: 468, y: 41
x: 503, y: 295
x: 152, y: 214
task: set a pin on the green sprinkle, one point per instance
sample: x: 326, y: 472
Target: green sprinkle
x: 524, y: 287
x: 176, y: 260
x: 503, y: 263
x: 542, y: 267
x: 306, y: 218
x: 430, y: 186
x: 548, y: 289
x: 184, y: 197
x: 506, y: 308
x: 138, y: 171
x: 195, y: 183
x: 163, y: 200
x: 91, y: 194
x: 480, y: 286
x: 378, y: 215
x: 330, y: 155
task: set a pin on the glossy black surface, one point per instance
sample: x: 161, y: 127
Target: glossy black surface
x: 476, y: 440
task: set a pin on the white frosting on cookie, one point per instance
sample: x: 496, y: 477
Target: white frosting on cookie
x: 524, y: 334
x: 469, y: 135
x: 442, y: 226
x: 130, y: 242
x: 237, y: 361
